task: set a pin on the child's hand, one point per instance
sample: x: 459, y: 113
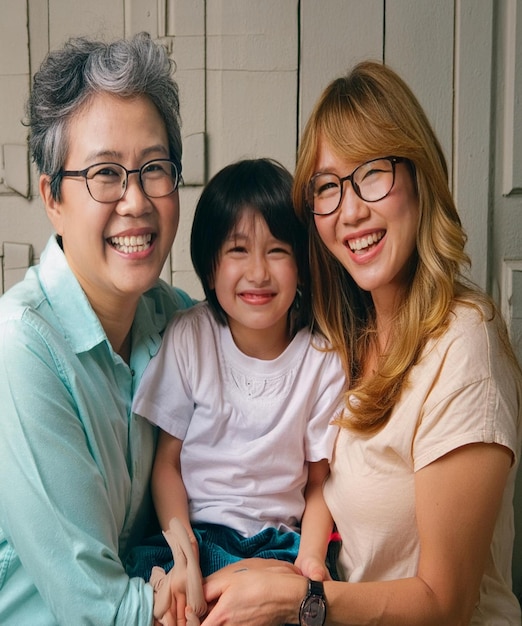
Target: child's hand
x: 312, y: 567
x: 178, y: 595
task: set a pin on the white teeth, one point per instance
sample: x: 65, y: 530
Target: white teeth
x: 365, y: 242
x: 134, y: 243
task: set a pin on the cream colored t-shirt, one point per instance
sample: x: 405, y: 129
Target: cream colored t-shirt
x: 464, y: 390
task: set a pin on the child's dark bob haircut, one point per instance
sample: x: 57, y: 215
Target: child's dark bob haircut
x: 263, y: 186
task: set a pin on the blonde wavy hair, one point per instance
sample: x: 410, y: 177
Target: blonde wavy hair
x: 369, y: 113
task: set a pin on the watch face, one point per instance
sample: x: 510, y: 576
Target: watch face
x: 313, y: 612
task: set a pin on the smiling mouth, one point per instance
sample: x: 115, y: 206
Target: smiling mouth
x: 256, y: 298
x: 134, y: 243
x: 364, y: 243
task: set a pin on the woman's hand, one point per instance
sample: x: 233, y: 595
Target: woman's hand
x: 257, y: 592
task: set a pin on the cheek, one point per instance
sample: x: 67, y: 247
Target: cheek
x: 325, y: 229
x: 319, y: 224
x: 223, y: 278
x: 170, y: 213
x: 290, y: 279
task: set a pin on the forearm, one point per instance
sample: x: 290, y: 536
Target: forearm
x: 170, y: 496
x: 317, y: 523
x: 316, y: 528
x: 406, y: 602
x: 263, y: 598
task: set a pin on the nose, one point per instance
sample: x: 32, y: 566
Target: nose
x: 352, y: 209
x: 134, y: 201
x: 257, y: 269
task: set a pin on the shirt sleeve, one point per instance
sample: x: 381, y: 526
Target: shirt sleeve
x: 55, y: 513
x: 328, y: 386
x: 164, y: 395
x: 473, y: 397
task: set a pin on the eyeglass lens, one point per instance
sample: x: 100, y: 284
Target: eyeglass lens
x: 107, y: 182
x: 371, y: 181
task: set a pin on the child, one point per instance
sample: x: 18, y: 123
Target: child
x: 242, y: 391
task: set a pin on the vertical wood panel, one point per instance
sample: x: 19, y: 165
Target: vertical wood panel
x: 419, y: 45
x: 139, y: 15
x: 512, y: 180
x: 251, y: 80
x: 14, y: 83
x: 186, y: 29
x: 472, y: 138
x: 335, y: 34
x: 505, y: 228
x: 505, y: 244
x: 94, y: 18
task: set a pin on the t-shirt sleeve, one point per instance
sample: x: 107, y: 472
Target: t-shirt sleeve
x: 328, y: 385
x: 474, y: 396
x: 164, y: 395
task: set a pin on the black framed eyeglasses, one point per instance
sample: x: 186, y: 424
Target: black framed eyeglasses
x: 372, y: 181
x: 107, y: 182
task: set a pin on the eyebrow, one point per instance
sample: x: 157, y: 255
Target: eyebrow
x: 115, y: 154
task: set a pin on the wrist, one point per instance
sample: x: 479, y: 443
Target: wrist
x: 299, y: 591
x: 313, y: 607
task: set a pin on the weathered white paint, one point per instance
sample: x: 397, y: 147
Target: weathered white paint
x: 250, y: 72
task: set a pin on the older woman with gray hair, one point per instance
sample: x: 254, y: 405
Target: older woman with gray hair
x: 78, y: 331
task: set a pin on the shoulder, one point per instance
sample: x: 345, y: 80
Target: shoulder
x: 197, y: 316
x: 472, y: 356
x: 194, y: 323
x: 465, y: 388
x: 25, y: 296
x: 474, y: 334
x: 319, y: 342
x: 27, y: 318
x: 320, y: 365
x: 321, y: 350
x: 169, y: 297
x: 32, y: 339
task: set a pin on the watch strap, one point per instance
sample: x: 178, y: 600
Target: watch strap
x: 315, y: 588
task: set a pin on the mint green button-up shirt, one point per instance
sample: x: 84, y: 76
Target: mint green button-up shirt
x: 74, y: 461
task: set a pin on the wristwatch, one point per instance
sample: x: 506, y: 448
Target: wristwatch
x: 313, y: 607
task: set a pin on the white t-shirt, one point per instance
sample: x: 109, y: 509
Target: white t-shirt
x: 463, y: 390
x: 248, y: 426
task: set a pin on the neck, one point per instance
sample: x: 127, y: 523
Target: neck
x: 387, y: 304
x: 117, y: 325
x: 380, y: 338
x: 261, y: 344
x: 121, y: 345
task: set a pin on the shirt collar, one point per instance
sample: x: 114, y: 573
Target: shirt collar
x: 81, y: 326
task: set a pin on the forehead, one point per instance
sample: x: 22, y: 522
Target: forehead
x: 328, y: 159
x: 248, y: 222
x: 109, y: 126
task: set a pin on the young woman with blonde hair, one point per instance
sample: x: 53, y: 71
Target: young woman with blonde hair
x: 422, y: 479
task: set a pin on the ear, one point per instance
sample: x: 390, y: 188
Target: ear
x: 53, y: 207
